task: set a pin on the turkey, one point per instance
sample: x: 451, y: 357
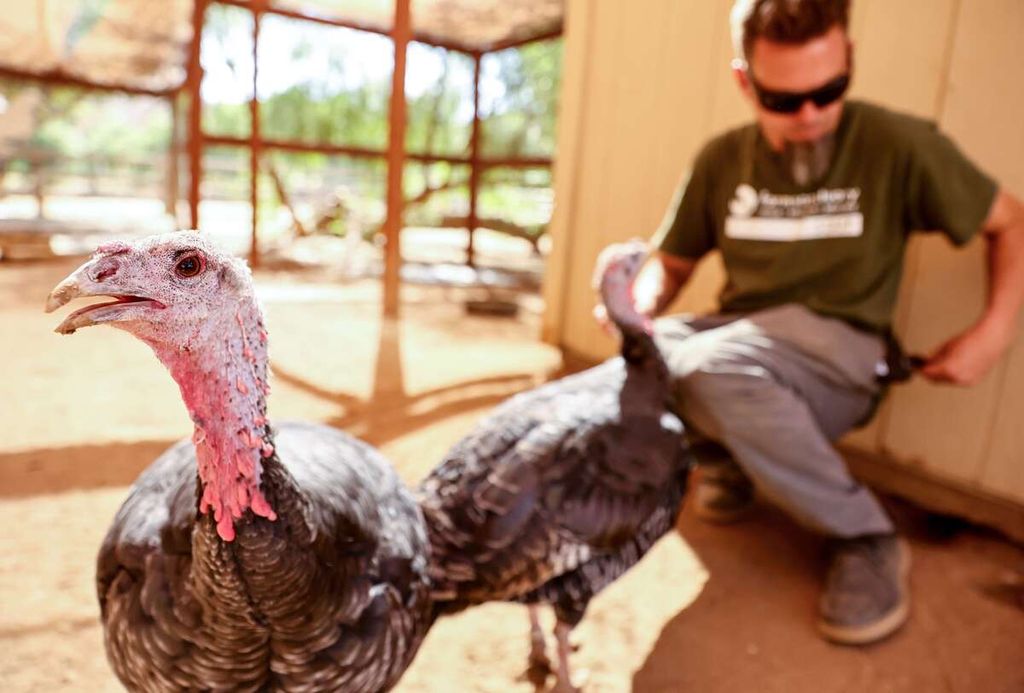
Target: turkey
x: 286, y: 558
x: 563, y: 488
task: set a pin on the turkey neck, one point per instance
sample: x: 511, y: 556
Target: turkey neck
x: 251, y: 557
x: 222, y: 373
x: 648, y: 382
x: 646, y: 369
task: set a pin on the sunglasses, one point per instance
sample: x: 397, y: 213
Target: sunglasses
x: 791, y: 101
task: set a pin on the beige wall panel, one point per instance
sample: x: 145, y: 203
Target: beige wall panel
x: 729, y: 108
x: 872, y: 436
x: 984, y: 111
x: 952, y: 429
x: 639, y: 123
x: 572, y: 107
x: 905, y: 71
x: 701, y: 292
x: 984, y: 105
x: 1003, y: 469
x: 683, y: 82
x: 902, y: 69
x: 869, y: 437
x: 672, y: 162
x: 586, y: 227
x: 858, y: 17
x: 605, y: 202
x: 944, y: 428
x: 720, y: 106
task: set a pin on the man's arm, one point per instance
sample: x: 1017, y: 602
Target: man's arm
x: 660, y: 282
x: 966, y: 358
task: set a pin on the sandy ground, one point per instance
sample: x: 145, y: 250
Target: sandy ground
x: 709, y: 609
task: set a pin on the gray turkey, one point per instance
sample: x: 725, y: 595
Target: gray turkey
x: 250, y: 558
x: 563, y: 488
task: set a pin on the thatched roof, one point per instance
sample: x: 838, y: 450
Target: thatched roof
x: 144, y: 43
x: 137, y: 43
x: 471, y: 24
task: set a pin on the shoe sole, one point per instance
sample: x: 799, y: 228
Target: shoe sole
x: 883, y: 627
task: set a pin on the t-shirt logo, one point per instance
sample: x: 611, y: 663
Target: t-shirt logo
x: 745, y: 203
x: 766, y: 216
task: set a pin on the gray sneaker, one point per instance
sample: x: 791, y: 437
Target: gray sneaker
x: 865, y: 597
x: 722, y: 494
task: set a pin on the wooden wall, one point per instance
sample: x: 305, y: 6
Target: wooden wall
x: 645, y: 84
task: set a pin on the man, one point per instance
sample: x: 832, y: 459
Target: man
x: 811, y: 207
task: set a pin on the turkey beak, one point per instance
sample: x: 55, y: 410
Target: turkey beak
x: 75, y: 285
x: 87, y: 280
x: 69, y: 288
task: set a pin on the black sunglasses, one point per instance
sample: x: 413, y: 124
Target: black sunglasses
x: 791, y: 102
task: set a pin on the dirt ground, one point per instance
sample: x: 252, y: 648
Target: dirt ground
x: 709, y: 609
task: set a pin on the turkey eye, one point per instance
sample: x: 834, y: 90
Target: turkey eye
x: 189, y: 266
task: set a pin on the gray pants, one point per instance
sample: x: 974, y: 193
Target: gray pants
x: 775, y: 388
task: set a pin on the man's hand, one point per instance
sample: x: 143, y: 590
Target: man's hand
x: 965, y: 359
x: 610, y: 253
x: 657, y: 285
x: 614, y: 252
x: 601, y: 316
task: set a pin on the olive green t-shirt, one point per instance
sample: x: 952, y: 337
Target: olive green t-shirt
x: 836, y: 246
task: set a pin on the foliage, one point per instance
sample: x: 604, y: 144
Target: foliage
x: 521, y: 121
x: 331, y: 95
x: 518, y: 118
x: 73, y: 123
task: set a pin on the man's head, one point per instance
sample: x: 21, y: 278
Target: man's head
x: 793, y: 54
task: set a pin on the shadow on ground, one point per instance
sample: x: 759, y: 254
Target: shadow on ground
x: 752, y: 627
x: 57, y: 470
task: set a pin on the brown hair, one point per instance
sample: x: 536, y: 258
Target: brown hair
x: 784, y: 21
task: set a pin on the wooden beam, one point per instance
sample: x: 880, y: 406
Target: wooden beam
x: 936, y: 493
x: 519, y: 42
x: 173, y: 151
x: 297, y: 146
x: 419, y: 37
x: 474, y: 161
x: 517, y: 162
x: 194, y: 81
x: 396, y: 160
x: 255, y: 138
x: 368, y: 153
x: 325, y: 148
x: 60, y: 78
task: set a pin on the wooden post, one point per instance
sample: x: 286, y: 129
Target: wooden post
x: 474, y: 160
x: 173, y: 150
x: 38, y: 165
x: 255, y: 138
x: 396, y: 160
x: 195, y: 113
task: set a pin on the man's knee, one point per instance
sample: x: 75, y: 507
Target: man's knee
x: 714, y: 383
x: 718, y: 401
